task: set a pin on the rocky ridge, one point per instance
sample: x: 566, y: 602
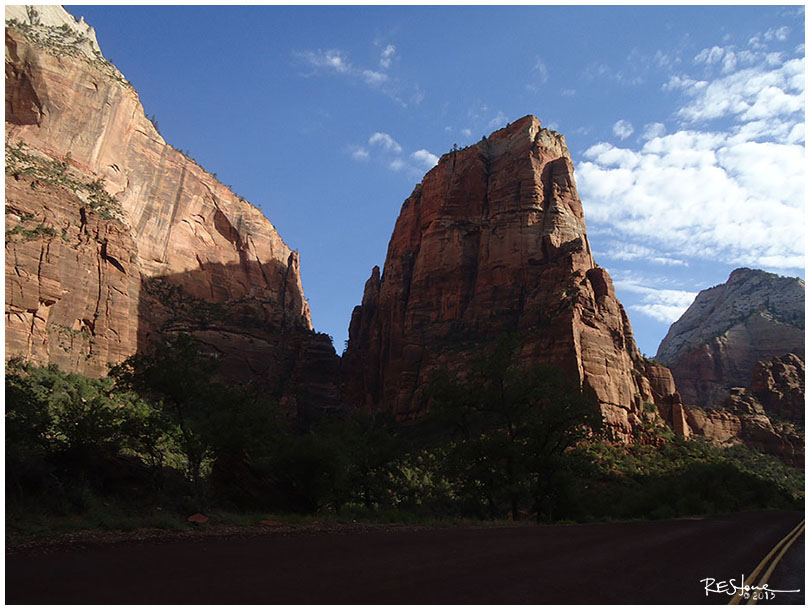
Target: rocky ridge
x: 718, y: 341
x: 737, y: 355
x: 113, y: 237
x: 493, y: 241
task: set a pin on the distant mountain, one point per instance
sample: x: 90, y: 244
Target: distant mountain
x: 718, y: 341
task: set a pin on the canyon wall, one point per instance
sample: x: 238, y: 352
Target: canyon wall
x: 114, y: 238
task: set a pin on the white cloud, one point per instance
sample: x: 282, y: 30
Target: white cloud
x: 770, y: 88
x: 541, y: 71
x: 702, y: 195
x: 733, y: 193
x: 425, y: 158
x: 385, y: 141
x: 596, y: 71
x: 659, y: 311
x: 665, y: 305
x: 360, y: 154
x: 387, y: 56
x: 780, y: 34
x: 336, y: 62
x: 710, y: 56
x: 568, y: 92
x: 632, y: 252
x: 498, y: 121
x: 654, y: 130
x: 665, y: 60
x: 374, y: 78
x: 384, y: 149
x: 333, y: 59
x: 623, y: 129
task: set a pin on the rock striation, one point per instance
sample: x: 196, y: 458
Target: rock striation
x: 718, y: 341
x: 493, y: 241
x: 114, y: 237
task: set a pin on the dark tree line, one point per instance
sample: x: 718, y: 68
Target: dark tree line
x: 500, y: 441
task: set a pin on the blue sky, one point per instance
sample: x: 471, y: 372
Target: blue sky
x: 686, y: 126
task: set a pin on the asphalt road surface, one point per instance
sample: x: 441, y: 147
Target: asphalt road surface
x: 661, y: 562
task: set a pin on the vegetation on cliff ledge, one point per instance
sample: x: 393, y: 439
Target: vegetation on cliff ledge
x: 62, y: 41
x: 160, y: 438
x: 21, y: 162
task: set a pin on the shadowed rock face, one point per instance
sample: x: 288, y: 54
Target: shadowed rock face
x: 85, y: 260
x: 718, y: 341
x: 779, y: 385
x: 494, y: 241
x: 743, y: 419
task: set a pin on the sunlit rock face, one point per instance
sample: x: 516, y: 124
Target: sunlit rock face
x: 121, y: 237
x: 493, y: 241
x: 717, y: 342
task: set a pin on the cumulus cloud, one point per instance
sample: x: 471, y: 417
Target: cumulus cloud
x: 383, y: 148
x: 385, y: 141
x: 734, y: 195
x: 654, y: 130
x: 425, y: 158
x: 748, y: 94
x: 387, y: 56
x: 664, y: 305
x: 623, y: 129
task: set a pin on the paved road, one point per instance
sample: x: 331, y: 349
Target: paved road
x: 654, y: 562
x: 789, y: 576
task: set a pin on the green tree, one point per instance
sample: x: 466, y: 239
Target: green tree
x: 177, y: 377
x: 368, y: 448
x: 62, y: 412
x: 513, y: 427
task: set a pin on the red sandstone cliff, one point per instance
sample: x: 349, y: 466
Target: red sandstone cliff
x: 113, y: 236
x: 493, y: 240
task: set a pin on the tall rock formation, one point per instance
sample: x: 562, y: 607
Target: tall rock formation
x: 718, y: 341
x: 113, y: 237
x: 494, y: 241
